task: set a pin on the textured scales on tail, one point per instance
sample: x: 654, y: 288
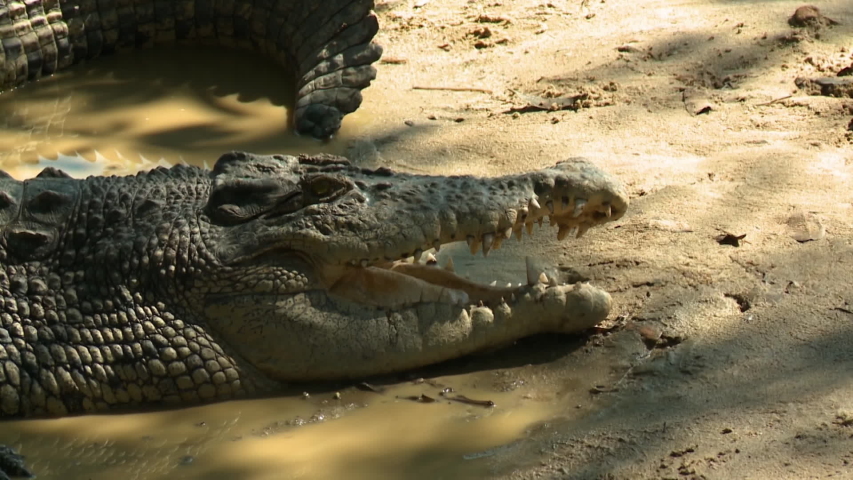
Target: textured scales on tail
x: 328, y: 46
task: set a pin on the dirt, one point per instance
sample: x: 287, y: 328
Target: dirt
x: 730, y: 348
x: 731, y: 344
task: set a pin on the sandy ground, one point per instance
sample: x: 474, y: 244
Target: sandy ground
x: 725, y: 357
x: 729, y: 352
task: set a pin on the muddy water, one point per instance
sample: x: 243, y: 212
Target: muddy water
x: 129, y: 113
x: 133, y: 112
x: 363, y: 435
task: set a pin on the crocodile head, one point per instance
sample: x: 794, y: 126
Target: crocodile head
x: 322, y: 271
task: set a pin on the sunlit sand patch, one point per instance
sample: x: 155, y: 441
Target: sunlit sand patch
x: 832, y: 163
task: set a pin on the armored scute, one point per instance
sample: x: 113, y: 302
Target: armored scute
x: 184, y: 285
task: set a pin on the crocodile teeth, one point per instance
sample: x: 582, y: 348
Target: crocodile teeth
x: 449, y: 265
x: 522, y: 213
x: 430, y: 259
x: 499, y: 240
x: 563, y: 232
x: 543, y: 278
x: 494, y: 283
x: 418, y: 254
x: 534, y: 203
x: 518, y: 234
x: 508, y: 233
x: 581, y: 230
x: 550, y: 206
x: 473, y: 244
x: 607, y: 211
x: 552, y: 282
x: 436, y: 245
x: 579, y: 205
x: 529, y: 227
x: 488, y: 239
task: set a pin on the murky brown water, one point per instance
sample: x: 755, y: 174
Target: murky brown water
x: 128, y: 113
x: 133, y: 112
x: 284, y: 438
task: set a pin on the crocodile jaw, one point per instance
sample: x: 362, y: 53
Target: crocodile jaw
x: 320, y: 336
x: 409, y: 215
x: 573, y: 196
x: 355, y: 305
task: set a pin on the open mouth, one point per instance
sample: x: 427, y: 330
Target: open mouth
x: 417, y: 277
x: 401, y: 284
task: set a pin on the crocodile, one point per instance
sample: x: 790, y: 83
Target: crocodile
x: 183, y: 285
x: 328, y: 46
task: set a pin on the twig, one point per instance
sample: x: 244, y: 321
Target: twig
x: 393, y: 60
x: 453, y: 89
x: 771, y: 102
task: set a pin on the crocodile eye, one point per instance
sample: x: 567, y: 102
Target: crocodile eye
x: 240, y: 200
x: 324, y: 188
x: 321, y: 187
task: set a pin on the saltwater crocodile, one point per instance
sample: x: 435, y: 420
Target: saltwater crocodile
x: 327, y: 45
x: 183, y: 285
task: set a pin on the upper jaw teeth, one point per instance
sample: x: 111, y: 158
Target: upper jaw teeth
x: 567, y: 218
x: 573, y: 217
x: 578, y: 210
x: 534, y: 204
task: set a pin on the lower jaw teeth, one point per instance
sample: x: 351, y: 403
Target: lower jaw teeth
x: 534, y: 275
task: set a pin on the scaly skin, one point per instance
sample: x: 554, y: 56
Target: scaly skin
x: 327, y: 45
x: 183, y: 285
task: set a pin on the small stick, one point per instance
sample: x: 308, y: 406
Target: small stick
x: 393, y: 60
x: 452, y: 89
x: 771, y: 102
